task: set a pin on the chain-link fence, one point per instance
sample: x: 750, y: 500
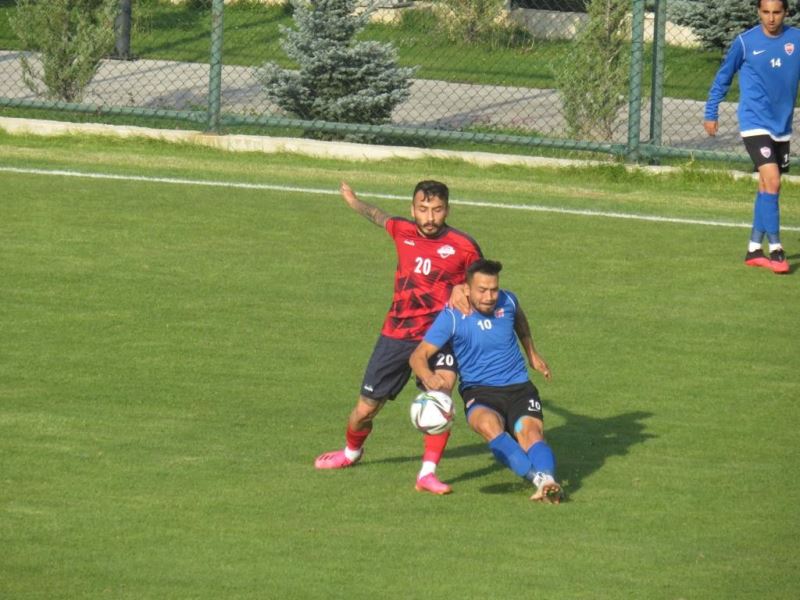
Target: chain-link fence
x: 568, y: 74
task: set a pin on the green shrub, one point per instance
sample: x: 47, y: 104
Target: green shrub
x: 471, y: 20
x: 480, y: 22
x: 70, y: 37
x: 593, y: 83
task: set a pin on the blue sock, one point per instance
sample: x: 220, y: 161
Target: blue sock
x: 767, y: 217
x: 506, y: 449
x: 757, y: 233
x: 542, y: 459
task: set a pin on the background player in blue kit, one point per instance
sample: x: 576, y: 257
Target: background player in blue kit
x: 501, y: 403
x: 767, y: 58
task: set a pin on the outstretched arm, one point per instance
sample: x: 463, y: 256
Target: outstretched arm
x: 523, y: 331
x: 419, y: 364
x: 369, y: 212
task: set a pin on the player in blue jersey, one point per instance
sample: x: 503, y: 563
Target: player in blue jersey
x: 501, y: 403
x: 767, y: 58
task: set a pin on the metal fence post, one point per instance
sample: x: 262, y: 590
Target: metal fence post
x: 657, y: 87
x: 215, y: 66
x: 635, y: 89
x: 122, y: 27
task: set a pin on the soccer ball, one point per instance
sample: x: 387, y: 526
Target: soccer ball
x: 432, y: 412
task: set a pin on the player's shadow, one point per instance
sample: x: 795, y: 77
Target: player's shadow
x: 460, y: 451
x: 582, y: 444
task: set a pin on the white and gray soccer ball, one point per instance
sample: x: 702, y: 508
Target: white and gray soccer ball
x: 432, y: 412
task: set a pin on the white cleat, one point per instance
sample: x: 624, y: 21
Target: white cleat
x: 548, y: 491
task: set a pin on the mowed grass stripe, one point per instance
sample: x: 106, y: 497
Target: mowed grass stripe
x: 368, y: 194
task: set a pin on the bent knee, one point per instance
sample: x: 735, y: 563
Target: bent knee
x: 529, y: 430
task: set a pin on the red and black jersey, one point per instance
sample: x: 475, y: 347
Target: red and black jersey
x: 427, y: 270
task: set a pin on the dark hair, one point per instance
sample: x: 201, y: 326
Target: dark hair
x: 784, y: 2
x: 433, y: 189
x: 485, y: 267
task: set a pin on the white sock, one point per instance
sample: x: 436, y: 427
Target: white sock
x: 428, y: 467
x: 352, y: 454
x: 773, y: 247
x: 753, y: 246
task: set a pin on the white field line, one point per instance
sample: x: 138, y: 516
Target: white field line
x: 320, y: 191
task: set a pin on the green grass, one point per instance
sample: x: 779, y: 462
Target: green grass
x: 175, y: 356
x: 252, y: 36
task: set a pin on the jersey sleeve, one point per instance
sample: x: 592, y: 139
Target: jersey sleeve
x: 391, y: 226
x: 474, y: 255
x: 512, y: 297
x: 722, y: 82
x: 442, y: 329
x: 472, y: 251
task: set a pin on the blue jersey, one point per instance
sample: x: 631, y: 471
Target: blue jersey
x: 485, y: 346
x: 769, y: 71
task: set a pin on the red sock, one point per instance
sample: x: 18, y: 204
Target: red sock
x: 356, y: 439
x: 434, y: 446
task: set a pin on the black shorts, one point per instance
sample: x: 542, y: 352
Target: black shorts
x: 763, y: 150
x: 511, y: 402
x: 388, y: 370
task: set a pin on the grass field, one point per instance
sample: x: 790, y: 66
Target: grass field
x: 174, y: 356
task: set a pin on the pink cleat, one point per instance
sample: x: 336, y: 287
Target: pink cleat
x: 756, y: 258
x: 335, y: 460
x: 431, y: 484
x: 778, y: 262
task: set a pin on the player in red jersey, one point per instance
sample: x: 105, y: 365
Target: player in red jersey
x: 432, y: 259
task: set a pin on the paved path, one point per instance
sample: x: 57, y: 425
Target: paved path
x: 442, y: 105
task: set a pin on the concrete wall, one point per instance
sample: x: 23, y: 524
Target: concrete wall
x: 552, y: 25
x: 543, y: 24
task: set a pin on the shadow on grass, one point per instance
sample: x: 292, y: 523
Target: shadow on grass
x: 582, y: 444
x: 450, y: 453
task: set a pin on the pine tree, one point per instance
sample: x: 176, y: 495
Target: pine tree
x: 717, y: 22
x: 338, y: 79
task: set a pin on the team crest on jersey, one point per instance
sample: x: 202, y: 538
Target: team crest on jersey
x: 789, y: 48
x: 445, y: 251
x: 499, y: 313
x: 766, y: 152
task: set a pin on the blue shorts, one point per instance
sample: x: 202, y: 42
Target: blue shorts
x: 388, y: 370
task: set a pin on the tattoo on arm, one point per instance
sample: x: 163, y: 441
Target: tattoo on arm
x: 372, y: 213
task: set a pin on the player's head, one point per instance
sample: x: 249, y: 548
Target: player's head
x: 483, y: 280
x: 429, y: 207
x: 771, y: 13
x: 785, y: 4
